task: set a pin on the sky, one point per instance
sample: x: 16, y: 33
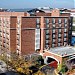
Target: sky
x: 36, y: 3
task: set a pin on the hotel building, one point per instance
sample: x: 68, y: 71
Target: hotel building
x: 26, y: 34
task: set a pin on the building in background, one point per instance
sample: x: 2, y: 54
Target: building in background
x: 73, y: 28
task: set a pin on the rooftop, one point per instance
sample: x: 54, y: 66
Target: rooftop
x: 63, y: 51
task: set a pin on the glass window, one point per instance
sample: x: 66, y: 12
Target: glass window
x: 53, y: 25
x: 53, y: 20
x: 59, y: 35
x: 47, y: 36
x: 65, y: 39
x: 65, y: 25
x: 47, y: 31
x: 53, y: 40
x: 53, y: 35
x: 47, y: 25
x: 65, y: 20
x: 37, y: 39
x: 47, y: 21
x: 65, y: 30
x: 59, y: 30
x: 59, y: 44
x: 4, y: 35
x: 53, y: 45
x: 47, y: 46
x: 47, y: 41
x: 18, y: 31
x: 73, y: 28
x: 59, y: 21
x: 59, y: 25
x: 38, y: 23
x: 53, y: 31
x: 59, y: 40
x: 65, y: 35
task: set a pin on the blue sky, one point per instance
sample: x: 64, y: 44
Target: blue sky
x: 36, y: 3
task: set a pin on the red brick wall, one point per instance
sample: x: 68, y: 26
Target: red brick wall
x: 13, y: 34
x: 28, y: 35
x: 13, y: 13
x: 64, y: 14
x: 27, y: 41
x: 42, y: 14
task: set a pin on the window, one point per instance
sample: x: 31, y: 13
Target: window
x: 53, y: 31
x: 59, y: 35
x: 47, y: 36
x: 65, y: 20
x: 18, y: 26
x: 65, y: 30
x: 4, y: 31
x: 53, y: 25
x: 53, y: 40
x: 59, y: 25
x: 73, y: 28
x: 4, y: 35
x: 18, y: 37
x: 47, y: 31
x: 37, y: 39
x: 59, y: 21
x: 47, y: 21
x: 18, y: 31
x: 1, y: 34
x: 65, y: 25
x: 53, y: 20
x: 59, y: 44
x: 47, y: 25
x: 18, y: 21
x: 59, y: 40
x: 53, y: 45
x: 59, y: 30
x: 18, y: 42
x: 65, y: 35
x: 47, y: 41
x: 46, y: 46
x: 53, y: 35
x: 65, y: 39
x: 37, y: 23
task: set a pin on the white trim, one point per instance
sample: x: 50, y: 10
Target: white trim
x: 45, y: 60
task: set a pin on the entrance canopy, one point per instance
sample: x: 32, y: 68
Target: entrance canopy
x: 63, y: 51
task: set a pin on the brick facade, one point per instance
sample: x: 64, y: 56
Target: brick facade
x: 21, y: 31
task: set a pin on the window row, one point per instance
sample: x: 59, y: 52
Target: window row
x: 54, y: 20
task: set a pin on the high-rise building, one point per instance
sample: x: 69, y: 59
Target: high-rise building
x: 27, y: 34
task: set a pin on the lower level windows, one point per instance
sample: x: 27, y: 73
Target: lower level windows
x: 53, y: 45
